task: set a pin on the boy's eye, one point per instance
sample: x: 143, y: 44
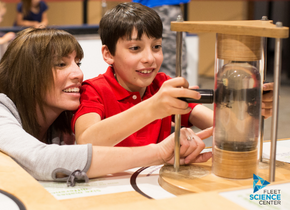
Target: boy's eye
x: 79, y: 64
x: 134, y: 48
x: 157, y: 47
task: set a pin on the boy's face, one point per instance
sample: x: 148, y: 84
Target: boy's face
x: 136, y: 62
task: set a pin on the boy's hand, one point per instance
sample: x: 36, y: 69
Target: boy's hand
x: 190, y: 147
x: 267, y: 100
x: 165, y: 103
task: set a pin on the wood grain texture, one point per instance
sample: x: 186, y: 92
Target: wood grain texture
x: 198, y: 177
x: 239, y: 47
x: 246, y: 27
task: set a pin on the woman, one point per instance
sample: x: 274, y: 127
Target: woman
x: 39, y: 87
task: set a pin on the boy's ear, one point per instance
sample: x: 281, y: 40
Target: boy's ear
x: 107, y: 56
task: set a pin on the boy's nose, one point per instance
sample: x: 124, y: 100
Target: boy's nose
x: 148, y: 56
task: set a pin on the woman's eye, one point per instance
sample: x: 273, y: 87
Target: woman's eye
x: 61, y: 65
x: 79, y: 64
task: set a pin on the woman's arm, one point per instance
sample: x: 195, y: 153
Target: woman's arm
x: 47, y: 162
x: 107, y: 160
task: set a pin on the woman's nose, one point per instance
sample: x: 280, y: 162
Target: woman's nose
x: 77, y: 73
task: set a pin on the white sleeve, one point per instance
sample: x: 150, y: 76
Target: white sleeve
x: 41, y: 160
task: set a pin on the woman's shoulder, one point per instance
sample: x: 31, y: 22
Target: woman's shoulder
x: 7, y: 107
x: 5, y: 101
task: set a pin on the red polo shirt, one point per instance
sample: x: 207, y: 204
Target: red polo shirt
x: 106, y: 97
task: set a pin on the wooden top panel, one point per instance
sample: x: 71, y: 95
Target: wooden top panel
x: 260, y: 28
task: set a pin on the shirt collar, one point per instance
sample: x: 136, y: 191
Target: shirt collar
x: 120, y: 92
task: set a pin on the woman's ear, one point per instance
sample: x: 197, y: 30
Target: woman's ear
x: 107, y: 56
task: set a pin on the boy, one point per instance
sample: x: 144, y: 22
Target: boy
x: 132, y: 104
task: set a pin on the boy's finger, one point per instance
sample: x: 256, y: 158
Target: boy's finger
x: 193, y: 87
x: 177, y: 82
x: 268, y: 86
x: 185, y: 93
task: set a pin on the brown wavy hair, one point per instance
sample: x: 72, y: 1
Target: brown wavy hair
x: 26, y: 72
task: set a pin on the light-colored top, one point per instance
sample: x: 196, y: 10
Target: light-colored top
x: 42, y: 161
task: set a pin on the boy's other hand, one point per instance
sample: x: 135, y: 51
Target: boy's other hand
x: 165, y: 102
x: 267, y: 100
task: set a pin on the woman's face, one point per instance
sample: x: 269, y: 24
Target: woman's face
x: 65, y: 93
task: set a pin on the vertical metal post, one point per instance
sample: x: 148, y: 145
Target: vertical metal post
x: 177, y: 116
x: 104, y: 7
x: 85, y: 11
x: 277, y: 70
x: 263, y: 76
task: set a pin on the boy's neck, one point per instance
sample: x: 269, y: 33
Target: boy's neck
x: 141, y: 91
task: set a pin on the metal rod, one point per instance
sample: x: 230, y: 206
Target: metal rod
x: 177, y: 142
x: 277, y: 70
x: 177, y: 116
x: 263, y: 75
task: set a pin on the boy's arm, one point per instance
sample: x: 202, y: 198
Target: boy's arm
x: 201, y: 117
x: 89, y: 128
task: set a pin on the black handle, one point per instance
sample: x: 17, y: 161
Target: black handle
x: 206, y: 97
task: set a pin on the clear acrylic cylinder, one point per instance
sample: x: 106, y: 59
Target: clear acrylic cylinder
x: 237, y: 105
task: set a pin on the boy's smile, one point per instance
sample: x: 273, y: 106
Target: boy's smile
x: 136, y: 62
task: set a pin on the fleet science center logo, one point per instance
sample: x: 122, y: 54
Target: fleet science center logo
x: 269, y: 197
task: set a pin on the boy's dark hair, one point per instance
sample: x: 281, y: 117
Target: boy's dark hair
x: 122, y: 19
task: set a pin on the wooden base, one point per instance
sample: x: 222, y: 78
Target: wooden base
x: 234, y: 165
x: 198, y: 177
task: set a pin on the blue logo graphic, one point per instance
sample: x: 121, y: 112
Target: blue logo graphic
x: 256, y: 180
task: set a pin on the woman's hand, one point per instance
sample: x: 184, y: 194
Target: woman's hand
x: 191, y: 145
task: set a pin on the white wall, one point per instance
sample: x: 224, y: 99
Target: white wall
x: 93, y: 63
